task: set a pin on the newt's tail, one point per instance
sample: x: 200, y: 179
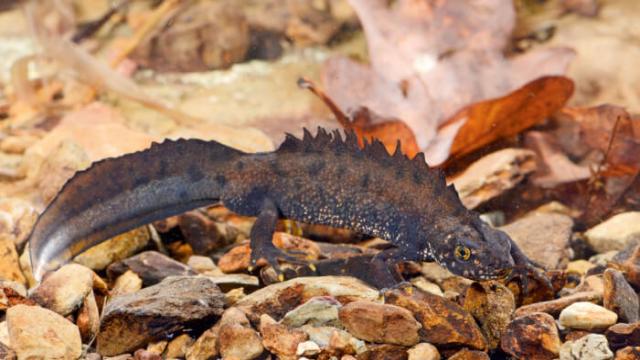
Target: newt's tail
x: 118, y: 194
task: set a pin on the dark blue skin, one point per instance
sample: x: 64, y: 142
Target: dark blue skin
x: 320, y: 180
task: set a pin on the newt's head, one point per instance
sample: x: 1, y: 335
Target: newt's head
x: 476, y: 251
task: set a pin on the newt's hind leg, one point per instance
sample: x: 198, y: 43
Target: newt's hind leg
x: 262, y: 239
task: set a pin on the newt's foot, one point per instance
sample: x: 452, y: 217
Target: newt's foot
x: 526, y: 272
x: 274, y: 256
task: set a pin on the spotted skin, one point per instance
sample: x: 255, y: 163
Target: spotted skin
x: 322, y: 179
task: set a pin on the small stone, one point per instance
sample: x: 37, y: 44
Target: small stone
x: 466, y: 354
x: 318, y: 311
x: 13, y: 293
x: 239, y: 342
x: 579, y: 267
x: 492, y: 305
x: 307, y: 348
x: 623, y: 335
x: 234, y: 295
x: 628, y: 353
x: 202, y: 264
x: 590, y: 347
x: 38, y: 333
x: 9, y: 261
x: 201, y: 232
x: 543, y: 237
x: 615, y: 233
x: 278, y: 299
x: 158, y: 347
x: 620, y: 297
x: 133, y: 320
x: 280, y: 339
x: 443, y: 321
x: 574, y: 335
x: 554, y: 307
x: 17, y: 217
x: 587, y: 316
x: 384, y: 351
x: 6, y: 353
x: 205, y: 347
x: 235, y: 260
x: 115, y: 249
x: 426, y: 285
x: 177, y: 348
x: 25, y: 267
x: 4, y: 333
x: 228, y: 282
x: 127, y: 283
x: 65, y: 289
x: 628, y: 261
x: 143, y: 354
x: 88, y: 319
x: 151, y: 266
x: 380, y: 323
x: 333, y: 339
x: 493, y: 174
x: 423, y: 351
x: 532, y: 336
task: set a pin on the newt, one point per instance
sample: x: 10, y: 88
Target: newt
x: 324, y: 179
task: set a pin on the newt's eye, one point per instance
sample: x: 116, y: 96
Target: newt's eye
x: 462, y: 253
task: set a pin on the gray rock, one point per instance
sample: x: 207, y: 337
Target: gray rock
x: 151, y: 266
x: 590, y: 347
x: 615, y: 233
x: 320, y: 310
x: 133, y: 320
x: 620, y: 297
x: 544, y: 237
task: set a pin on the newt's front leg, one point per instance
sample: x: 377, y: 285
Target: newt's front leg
x: 525, y: 268
x: 262, y: 238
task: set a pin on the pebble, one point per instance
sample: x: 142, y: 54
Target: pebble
x: 620, y: 297
x: 39, y: 333
x: 317, y: 311
x: 308, y: 348
x: 615, y: 233
x: 628, y: 353
x: 239, y: 342
x: 380, y: 323
x: 9, y: 261
x: 492, y: 305
x: 65, y: 289
x: 205, y: 347
x: 555, y: 306
x: 493, y: 174
x: 587, y: 316
x: 579, y: 267
x: 201, y: 232
x: 443, y: 321
x: 532, y: 336
x: 543, y: 237
x: 425, y: 285
x: 623, y: 335
x: 466, y: 354
x: 88, y: 318
x: 280, y: 298
x: 202, y: 264
x: 177, y: 347
x: 280, y: 339
x: 133, y: 320
x: 115, y: 249
x: 127, y: 283
x: 590, y: 347
x: 151, y: 266
x: 423, y: 351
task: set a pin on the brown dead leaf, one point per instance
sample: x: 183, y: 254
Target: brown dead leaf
x: 368, y: 125
x: 490, y: 120
x: 430, y: 59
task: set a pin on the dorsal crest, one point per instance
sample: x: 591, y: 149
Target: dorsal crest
x: 375, y: 150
